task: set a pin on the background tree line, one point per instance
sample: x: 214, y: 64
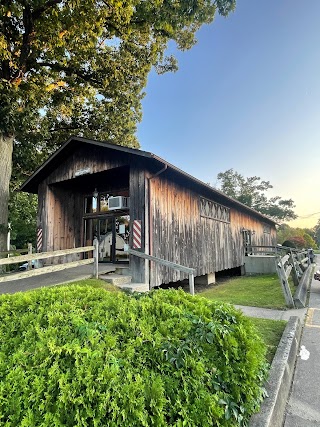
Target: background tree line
x: 251, y: 192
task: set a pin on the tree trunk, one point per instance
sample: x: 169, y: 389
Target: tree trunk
x: 6, y: 147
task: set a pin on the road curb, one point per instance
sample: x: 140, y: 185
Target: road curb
x: 280, y: 378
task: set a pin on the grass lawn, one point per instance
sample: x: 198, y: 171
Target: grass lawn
x: 271, y: 332
x: 255, y: 291
x: 95, y: 283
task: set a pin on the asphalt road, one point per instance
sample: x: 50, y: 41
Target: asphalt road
x: 303, y: 409
x: 51, y: 279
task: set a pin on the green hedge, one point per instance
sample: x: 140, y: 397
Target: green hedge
x: 79, y: 356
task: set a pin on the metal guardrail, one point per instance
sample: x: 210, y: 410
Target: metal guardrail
x: 190, y: 271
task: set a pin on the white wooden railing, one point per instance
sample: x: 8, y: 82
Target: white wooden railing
x: 294, y: 264
x: 190, y: 271
x: 51, y: 268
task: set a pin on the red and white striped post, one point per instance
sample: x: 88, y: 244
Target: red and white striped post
x: 136, y: 234
x: 38, y: 263
x: 39, y: 240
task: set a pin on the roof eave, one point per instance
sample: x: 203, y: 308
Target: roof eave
x: 31, y: 184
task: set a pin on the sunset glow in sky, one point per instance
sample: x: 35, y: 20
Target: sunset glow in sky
x: 246, y: 97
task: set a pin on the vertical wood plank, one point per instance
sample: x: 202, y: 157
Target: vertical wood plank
x: 181, y: 235
x: 137, y: 211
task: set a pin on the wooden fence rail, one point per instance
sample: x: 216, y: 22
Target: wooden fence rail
x: 51, y: 268
x: 269, y: 249
x: 284, y: 268
x: 14, y: 251
x: 294, y: 264
x: 289, y: 261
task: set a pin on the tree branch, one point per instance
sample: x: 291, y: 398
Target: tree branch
x: 28, y: 18
x: 64, y: 128
x: 38, y: 12
x: 89, y: 78
x: 27, y: 38
x: 5, y: 70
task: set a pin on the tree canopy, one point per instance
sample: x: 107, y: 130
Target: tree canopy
x: 80, y: 66
x: 251, y: 192
x: 316, y: 231
x: 296, y: 237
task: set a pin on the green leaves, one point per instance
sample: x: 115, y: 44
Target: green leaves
x: 80, y: 67
x: 52, y: 52
x: 251, y: 192
x: 82, y: 356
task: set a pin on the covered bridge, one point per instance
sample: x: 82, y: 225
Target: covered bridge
x: 131, y: 198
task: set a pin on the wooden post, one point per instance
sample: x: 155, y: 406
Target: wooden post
x: 284, y: 280
x: 96, y: 258
x: 191, y: 283
x: 30, y: 253
x: 295, y: 276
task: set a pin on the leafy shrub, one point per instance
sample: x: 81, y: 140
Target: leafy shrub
x: 289, y: 244
x: 79, y: 356
x: 295, y: 242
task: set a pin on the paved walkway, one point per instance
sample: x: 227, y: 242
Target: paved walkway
x: 267, y: 313
x: 49, y: 279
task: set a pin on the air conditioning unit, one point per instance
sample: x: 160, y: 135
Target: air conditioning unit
x: 118, y: 202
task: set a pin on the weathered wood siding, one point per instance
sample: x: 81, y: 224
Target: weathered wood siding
x: 182, y: 220
x: 263, y: 234
x: 93, y: 158
x: 138, y: 200
x: 182, y: 232
x: 60, y: 217
x: 61, y: 197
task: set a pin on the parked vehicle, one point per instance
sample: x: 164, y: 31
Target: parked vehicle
x: 24, y: 266
x: 316, y: 275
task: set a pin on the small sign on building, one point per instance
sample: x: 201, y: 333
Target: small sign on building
x: 84, y: 171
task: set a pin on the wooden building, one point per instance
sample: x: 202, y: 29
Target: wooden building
x: 131, y: 198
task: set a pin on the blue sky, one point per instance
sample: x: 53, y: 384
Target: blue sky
x: 246, y: 97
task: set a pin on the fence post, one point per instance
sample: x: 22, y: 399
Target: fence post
x: 96, y: 258
x: 29, y: 252
x: 191, y: 283
x: 295, y: 276
x: 284, y: 282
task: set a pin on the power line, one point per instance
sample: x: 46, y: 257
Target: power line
x: 308, y: 216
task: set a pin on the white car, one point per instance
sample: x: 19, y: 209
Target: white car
x: 24, y: 266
